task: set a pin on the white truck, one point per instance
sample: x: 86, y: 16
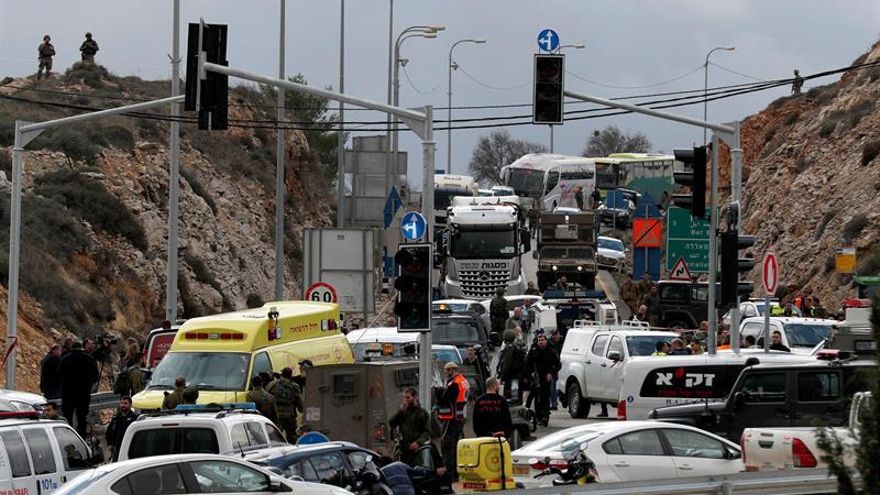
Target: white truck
x: 447, y: 187
x: 770, y: 449
x: 482, y: 248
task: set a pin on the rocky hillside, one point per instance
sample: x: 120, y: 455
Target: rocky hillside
x: 812, y: 181
x: 95, y: 210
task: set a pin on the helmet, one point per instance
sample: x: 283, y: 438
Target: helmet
x: 88, y: 35
x: 46, y: 38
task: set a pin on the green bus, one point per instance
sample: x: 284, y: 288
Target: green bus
x: 644, y: 172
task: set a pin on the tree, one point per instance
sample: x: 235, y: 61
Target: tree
x: 497, y: 150
x: 613, y: 140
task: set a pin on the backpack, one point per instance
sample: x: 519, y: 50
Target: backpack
x: 122, y: 383
x: 285, y: 393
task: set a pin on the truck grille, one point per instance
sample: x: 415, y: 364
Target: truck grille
x: 483, y: 283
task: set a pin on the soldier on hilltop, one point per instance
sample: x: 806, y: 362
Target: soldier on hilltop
x: 45, y: 52
x: 89, y: 48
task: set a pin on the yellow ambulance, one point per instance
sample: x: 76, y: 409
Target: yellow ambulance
x: 219, y: 354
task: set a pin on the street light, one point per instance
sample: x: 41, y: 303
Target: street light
x: 576, y: 46
x: 453, y: 65
x: 427, y: 31
x: 706, y: 84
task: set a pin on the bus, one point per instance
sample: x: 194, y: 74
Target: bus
x: 446, y: 187
x: 551, y: 178
x: 643, y: 172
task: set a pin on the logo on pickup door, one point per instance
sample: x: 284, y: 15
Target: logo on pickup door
x: 690, y: 379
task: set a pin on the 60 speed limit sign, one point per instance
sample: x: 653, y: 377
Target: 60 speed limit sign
x: 321, y: 292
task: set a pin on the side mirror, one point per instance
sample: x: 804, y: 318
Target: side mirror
x: 614, y: 356
x: 739, y: 399
x: 276, y: 485
x: 732, y: 454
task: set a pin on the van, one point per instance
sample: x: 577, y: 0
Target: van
x: 658, y: 381
x: 39, y: 455
x: 594, y: 357
x: 158, y: 342
x: 219, y: 354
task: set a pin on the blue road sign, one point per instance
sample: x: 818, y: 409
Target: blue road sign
x: 646, y: 208
x: 312, y: 438
x: 548, y: 40
x: 646, y: 260
x: 413, y: 226
x: 392, y: 204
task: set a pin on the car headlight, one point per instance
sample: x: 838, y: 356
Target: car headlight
x: 554, y: 268
x: 580, y: 268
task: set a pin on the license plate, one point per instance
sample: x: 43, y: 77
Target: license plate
x: 474, y: 485
x: 521, y: 470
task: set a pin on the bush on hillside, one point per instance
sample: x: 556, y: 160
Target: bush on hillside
x: 91, y: 74
x: 857, y: 112
x: 870, y: 151
x: 197, y: 187
x: 88, y: 198
x: 854, y: 227
x: 254, y: 300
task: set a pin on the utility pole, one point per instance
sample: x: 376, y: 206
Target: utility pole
x: 174, y: 172
x: 340, y: 150
x: 279, y: 165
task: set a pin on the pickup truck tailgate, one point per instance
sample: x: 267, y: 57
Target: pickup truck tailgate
x: 770, y: 449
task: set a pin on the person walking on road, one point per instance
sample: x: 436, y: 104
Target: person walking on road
x: 50, y: 380
x: 288, y: 399
x: 264, y: 401
x: 491, y: 412
x: 78, y: 371
x: 175, y: 398
x: 116, y: 429
x: 88, y: 48
x: 510, y: 363
x: 545, y: 362
x: 452, y: 405
x: 498, y: 312
x: 413, y: 424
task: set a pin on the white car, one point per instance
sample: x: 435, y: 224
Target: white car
x: 611, y: 253
x: 632, y: 451
x: 14, y: 400
x: 801, y: 335
x: 187, y: 473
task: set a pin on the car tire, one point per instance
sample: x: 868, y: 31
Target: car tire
x: 515, y: 439
x: 578, y: 406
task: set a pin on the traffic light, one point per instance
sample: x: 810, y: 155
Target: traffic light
x: 695, y: 160
x: 211, y: 100
x: 548, y: 89
x: 732, y: 265
x: 413, y: 265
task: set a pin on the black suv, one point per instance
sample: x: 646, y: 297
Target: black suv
x: 683, y: 303
x: 779, y: 395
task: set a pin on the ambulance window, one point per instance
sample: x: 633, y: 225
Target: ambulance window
x: 18, y: 460
x: 41, y: 450
x: 73, y: 450
x: 261, y: 364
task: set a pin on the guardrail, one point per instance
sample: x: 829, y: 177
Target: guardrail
x: 104, y: 400
x: 800, y: 482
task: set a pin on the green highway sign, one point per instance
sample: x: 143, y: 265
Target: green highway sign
x: 687, y: 238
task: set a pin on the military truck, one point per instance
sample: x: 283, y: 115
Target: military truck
x: 567, y: 247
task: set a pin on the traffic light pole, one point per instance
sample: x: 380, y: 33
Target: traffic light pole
x: 421, y: 123
x: 720, y: 131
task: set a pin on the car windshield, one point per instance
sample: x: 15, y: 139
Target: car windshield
x: 446, y: 355
x: 455, y: 331
x: 443, y: 197
x: 204, y: 370
x: 806, y: 335
x: 483, y: 244
x: 526, y: 181
x: 644, y: 345
x: 612, y: 244
x: 566, y: 253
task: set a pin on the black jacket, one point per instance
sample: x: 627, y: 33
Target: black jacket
x: 78, y: 371
x: 50, y: 380
x: 543, y: 361
x: 491, y: 414
x: 116, y: 430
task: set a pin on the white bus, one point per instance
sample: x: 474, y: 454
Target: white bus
x: 551, y: 178
x: 446, y: 187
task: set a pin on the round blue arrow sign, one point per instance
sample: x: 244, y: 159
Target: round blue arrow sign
x: 548, y: 40
x: 413, y: 226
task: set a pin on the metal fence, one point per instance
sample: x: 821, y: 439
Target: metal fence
x: 800, y: 482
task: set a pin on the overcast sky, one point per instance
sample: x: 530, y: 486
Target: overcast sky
x: 632, y: 47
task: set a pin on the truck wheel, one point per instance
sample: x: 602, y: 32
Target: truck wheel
x: 578, y: 406
x: 515, y: 439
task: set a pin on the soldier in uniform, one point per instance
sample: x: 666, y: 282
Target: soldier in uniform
x: 655, y: 312
x: 797, y: 83
x: 45, y: 52
x: 175, y: 398
x: 288, y: 399
x: 413, y: 423
x: 498, y: 312
x: 644, y: 287
x: 264, y: 401
x: 628, y: 292
x: 89, y: 48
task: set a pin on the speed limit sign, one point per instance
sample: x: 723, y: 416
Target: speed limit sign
x: 321, y: 292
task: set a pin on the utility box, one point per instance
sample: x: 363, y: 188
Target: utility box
x: 353, y: 402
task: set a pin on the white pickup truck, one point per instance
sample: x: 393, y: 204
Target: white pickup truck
x: 768, y: 449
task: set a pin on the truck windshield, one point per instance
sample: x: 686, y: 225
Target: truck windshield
x: 526, y: 181
x: 455, y: 332
x: 483, y: 244
x: 566, y: 253
x: 203, y: 370
x: 644, y: 345
x: 806, y: 335
x: 443, y: 197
